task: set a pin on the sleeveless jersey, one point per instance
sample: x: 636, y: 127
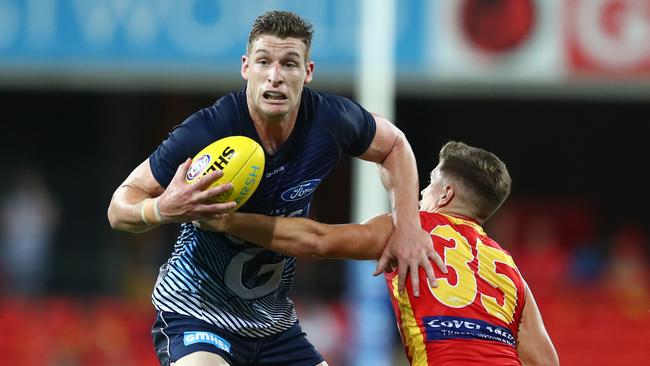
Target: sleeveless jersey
x: 220, y: 279
x: 473, y: 316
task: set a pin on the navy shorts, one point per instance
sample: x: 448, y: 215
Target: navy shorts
x: 175, y: 336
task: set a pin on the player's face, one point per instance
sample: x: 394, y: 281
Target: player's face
x: 430, y: 193
x: 275, y: 72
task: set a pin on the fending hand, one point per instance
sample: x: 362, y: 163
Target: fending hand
x: 412, y: 248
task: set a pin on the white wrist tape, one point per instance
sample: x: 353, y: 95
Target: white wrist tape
x: 156, y: 210
x: 142, y: 214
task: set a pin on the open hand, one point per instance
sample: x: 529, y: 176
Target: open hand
x: 412, y: 248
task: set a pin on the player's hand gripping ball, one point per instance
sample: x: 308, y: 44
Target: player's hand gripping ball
x: 242, y: 161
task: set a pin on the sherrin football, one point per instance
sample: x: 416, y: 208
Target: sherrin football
x: 242, y: 161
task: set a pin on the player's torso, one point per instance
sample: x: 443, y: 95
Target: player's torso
x: 292, y: 174
x: 476, y: 307
x: 237, y: 285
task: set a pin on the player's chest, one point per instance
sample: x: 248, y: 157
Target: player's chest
x: 289, y: 182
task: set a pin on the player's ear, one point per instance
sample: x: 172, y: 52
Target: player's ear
x: 244, y: 67
x: 310, y: 72
x: 446, y: 196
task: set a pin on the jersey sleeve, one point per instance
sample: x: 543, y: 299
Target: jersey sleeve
x: 356, y: 129
x: 188, y: 138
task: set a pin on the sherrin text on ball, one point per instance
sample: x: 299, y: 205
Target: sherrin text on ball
x: 242, y: 161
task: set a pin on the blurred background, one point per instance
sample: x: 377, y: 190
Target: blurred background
x: 559, y: 89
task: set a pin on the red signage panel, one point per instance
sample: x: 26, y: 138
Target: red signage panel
x: 608, y: 37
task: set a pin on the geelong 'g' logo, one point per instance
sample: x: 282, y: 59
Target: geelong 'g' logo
x: 300, y: 191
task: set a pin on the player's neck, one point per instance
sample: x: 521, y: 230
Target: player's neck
x: 457, y: 212
x: 274, y: 132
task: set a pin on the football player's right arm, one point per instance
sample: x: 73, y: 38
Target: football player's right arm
x: 534, y: 344
x: 301, y: 237
x: 141, y: 203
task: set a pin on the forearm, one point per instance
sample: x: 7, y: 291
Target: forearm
x: 398, y: 173
x: 296, y: 237
x: 132, y: 206
x: 305, y: 238
x: 133, y: 210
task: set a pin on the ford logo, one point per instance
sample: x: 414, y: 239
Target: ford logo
x: 300, y: 191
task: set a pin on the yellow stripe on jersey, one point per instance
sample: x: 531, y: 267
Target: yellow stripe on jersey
x: 413, y: 337
x: 459, y: 221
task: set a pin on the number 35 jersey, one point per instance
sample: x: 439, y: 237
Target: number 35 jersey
x: 229, y: 283
x: 473, y: 316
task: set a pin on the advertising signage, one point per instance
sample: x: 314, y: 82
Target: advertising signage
x: 439, y: 43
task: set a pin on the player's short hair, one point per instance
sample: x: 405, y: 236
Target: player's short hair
x: 481, y: 172
x: 282, y: 24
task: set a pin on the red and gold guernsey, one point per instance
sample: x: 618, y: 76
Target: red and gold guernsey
x: 473, y: 316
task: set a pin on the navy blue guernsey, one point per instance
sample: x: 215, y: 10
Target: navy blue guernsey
x: 221, y: 279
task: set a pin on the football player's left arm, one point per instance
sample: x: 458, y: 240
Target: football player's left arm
x: 409, y: 244
x: 534, y: 345
x: 305, y: 238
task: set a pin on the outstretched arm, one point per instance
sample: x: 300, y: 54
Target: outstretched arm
x: 534, y: 344
x: 141, y: 203
x: 409, y: 244
x: 305, y: 238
